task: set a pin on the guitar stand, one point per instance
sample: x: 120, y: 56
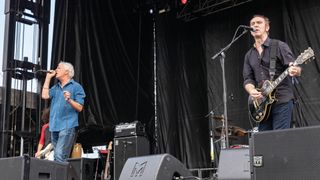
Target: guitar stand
x: 97, y: 166
x: 99, y: 160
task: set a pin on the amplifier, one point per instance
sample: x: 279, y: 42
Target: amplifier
x: 135, y: 128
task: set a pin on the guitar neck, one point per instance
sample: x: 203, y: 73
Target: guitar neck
x: 308, y: 54
x: 107, y: 166
x: 108, y: 157
x: 276, y: 82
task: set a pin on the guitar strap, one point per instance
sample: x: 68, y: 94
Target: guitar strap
x: 273, y: 58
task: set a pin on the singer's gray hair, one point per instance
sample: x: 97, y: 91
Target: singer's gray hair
x: 68, y: 67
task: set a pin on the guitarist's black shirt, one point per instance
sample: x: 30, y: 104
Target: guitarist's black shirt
x: 256, y: 68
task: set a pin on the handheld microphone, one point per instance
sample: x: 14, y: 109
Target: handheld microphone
x: 44, y: 71
x: 248, y: 28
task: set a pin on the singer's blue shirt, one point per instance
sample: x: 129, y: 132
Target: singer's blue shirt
x: 62, y: 115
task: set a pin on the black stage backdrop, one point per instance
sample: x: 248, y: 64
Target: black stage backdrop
x: 111, y: 45
x: 182, y: 91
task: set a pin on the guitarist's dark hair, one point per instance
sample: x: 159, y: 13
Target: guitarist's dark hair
x: 263, y: 17
x: 45, y: 116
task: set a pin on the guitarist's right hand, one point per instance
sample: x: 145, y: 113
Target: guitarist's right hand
x: 254, y: 93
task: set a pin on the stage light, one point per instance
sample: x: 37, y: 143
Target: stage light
x: 183, y: 2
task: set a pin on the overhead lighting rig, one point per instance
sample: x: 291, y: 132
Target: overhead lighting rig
x: 188, y: 10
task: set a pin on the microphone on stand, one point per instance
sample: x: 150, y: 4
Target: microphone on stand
x: 248, y: 28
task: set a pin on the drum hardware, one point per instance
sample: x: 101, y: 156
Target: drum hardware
x: 220, y: 118
x: 233, y: 131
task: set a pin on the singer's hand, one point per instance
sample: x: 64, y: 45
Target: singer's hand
x: 66, y: 95
x: 51, y: 73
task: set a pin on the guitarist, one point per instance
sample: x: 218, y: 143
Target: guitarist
x: 257, y: 69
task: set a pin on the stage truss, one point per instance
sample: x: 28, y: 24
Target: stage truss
x: 199, y: 8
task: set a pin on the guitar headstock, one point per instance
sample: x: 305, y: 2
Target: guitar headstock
x: 308, y: 54
x: 110, y: 145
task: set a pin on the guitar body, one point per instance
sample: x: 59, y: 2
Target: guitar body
x: 260, y: 109
x: 46, y: 153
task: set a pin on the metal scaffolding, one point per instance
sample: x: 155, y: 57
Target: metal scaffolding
x: 17, y: 67
x: 194, y: 9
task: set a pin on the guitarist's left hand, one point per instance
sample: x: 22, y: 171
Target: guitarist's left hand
x: 294, y: 70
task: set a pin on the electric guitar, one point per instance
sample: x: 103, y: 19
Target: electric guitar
x: 46, y: 152
x: 260, y: 108
x: 105, y: 175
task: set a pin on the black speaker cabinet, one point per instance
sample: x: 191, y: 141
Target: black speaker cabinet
x: 291, y: 154
x: 234, y: 164
x: 29, y: 168
x: 83, y: 168
x: 126, y: 147
x: 153, y: 167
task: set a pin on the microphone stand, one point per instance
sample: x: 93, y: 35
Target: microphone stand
x: 221, y: 54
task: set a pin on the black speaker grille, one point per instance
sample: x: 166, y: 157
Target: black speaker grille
x: 30, y: 168
x: 292, y: 154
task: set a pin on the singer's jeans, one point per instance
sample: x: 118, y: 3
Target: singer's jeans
x: 280, y: 117
x: 63, y: 142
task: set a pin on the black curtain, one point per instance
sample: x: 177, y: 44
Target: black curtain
x: 111, y: 45
x: 182, y: 96
x: 301, y: 25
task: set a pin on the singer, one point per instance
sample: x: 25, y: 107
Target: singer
x: 257, y: 69
x: 67, y: 99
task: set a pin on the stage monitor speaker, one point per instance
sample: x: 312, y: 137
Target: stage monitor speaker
x: 154, y: 167
x: 234, y: 164
x: 29, y: 168
x: 290, y: 154
x: 126, y: 147
x: 84, y: 168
